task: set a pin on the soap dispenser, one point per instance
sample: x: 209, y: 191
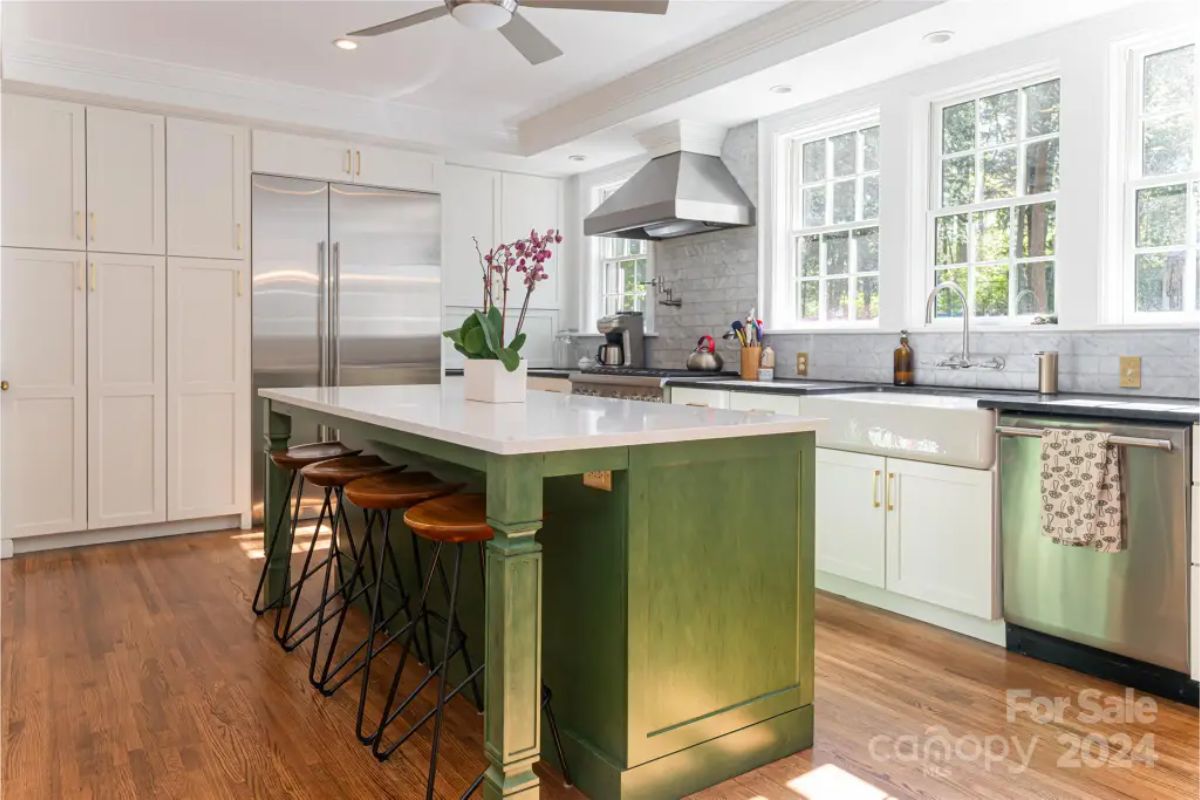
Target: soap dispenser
x: 902, y: 362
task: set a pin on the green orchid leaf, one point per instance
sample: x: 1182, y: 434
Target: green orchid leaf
x: 509, y: 358
x: 475, y: 343
x: 517, y: 343
x: 491, y: 332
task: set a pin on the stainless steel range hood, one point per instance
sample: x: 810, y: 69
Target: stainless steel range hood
x: 676, y: 194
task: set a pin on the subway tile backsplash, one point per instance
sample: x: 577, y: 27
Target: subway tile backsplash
x: 716, y: 274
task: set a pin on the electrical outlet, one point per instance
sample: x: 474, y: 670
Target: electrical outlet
x: 1131, y: 372
x: 801, y: 364
x: 598, y: 479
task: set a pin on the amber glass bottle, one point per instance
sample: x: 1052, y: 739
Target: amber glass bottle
x: 902, y: 362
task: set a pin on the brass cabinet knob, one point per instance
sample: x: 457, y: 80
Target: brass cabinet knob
x: 3, y: 386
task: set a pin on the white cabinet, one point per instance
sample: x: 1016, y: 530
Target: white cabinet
x: 470, y: 212
x: 207, y: 189
x: 1195, y: 627
x: 127, y: 390
x: 850, y: 515
x: 43, y: 156
x: 43, y: 410
x: 126, y: 182
x: 765, y: 403
x: 940, y: 542
x: 527, y: 203
x: 303, y: 156
x: 708, y: 398
x: 345, y: 161
x: 208, y: 396
x: 386, y: 166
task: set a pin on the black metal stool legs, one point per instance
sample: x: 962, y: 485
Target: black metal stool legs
x: 268, y: 552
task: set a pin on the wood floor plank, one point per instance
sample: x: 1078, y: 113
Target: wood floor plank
x: 137, y: 670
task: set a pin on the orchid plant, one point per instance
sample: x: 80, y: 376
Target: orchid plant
x: 482, y: 335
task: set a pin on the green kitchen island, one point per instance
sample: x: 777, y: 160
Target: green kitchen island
x: 668, y: 597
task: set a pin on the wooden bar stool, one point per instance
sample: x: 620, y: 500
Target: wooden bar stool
x: 455, y: 520
x: 380, y: 495
x: 331, y: 475
x: 293, y: 460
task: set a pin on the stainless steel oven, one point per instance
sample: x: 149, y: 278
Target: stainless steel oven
x: 1133, y: 603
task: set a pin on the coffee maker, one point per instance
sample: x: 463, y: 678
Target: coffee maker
x: 623, y: 340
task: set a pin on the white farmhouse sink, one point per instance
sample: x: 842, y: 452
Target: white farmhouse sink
x: 943, y: 429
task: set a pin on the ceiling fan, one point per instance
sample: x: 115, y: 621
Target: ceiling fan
x: 503, y: 15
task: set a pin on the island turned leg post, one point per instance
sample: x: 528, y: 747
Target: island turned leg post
x: 513, y: 629
x: 277, y: 429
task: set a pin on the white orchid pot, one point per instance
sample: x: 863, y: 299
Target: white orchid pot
x: 487, y: 381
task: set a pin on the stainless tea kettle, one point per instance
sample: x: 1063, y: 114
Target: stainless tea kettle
x: 705, y: 357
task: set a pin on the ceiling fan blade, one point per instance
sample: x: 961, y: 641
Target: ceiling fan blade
x: 531, y: 42
x: 403, y: 22
x: 626, y: 6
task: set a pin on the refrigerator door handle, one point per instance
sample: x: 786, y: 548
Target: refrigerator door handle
x: 335, y: 317
x: 322, y: 316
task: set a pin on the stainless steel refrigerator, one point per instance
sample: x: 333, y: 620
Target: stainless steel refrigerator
x: 347, y: 291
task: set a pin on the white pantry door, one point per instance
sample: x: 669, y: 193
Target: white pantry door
x: 941, y: 546
x: 126, y: 182
x: 530, y: 202
x: 208, y: 418
x: 43, y: 157
x: 127, y: 390
x: 850, y: 515
x: 470, y: 211
x: 207, y: 189
x: 43, y: 410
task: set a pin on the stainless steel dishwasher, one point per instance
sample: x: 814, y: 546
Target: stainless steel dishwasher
x: 1133, y: 603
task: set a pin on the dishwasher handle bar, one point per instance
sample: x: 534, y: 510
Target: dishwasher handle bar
x: 1123, y: 441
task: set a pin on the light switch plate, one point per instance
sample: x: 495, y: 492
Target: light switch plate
x: 598, y: 479
x: 802, y: 364
x: 1131, y: 372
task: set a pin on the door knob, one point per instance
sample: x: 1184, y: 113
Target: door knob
x: 3, y: 386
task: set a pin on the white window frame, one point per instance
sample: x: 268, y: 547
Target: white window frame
x: 928, y: 269
x: 789, y: 165
x: 1134, y: 181
x: 598, y: 261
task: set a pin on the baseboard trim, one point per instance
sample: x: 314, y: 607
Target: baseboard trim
x: 691, y: 769
x: 990, y: 631
x: 127, y: 533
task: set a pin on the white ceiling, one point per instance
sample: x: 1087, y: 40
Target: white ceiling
x: 437, y: 65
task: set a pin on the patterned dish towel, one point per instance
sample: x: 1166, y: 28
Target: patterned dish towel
x: 1081, y: 490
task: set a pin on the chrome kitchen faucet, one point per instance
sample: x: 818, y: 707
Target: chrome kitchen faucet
x: 962, y: 361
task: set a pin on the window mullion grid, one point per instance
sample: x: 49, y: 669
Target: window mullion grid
x: 851, y: 271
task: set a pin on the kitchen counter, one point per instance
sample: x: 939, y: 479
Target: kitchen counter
x: 534, y: 372
x: 668, y: 604
x: 1156, y: 409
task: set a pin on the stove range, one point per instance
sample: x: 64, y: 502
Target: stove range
x: 634, y: 383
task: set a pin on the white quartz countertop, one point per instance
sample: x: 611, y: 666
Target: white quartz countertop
x: 547, y: 422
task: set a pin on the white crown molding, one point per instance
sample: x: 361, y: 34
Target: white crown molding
x: 761, y: 43
x: 67, y: 70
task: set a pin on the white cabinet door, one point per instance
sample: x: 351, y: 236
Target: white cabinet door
x: 539, y: 330
x: 43, y: 155
x: 208, y: 416
x: 127, y: 390
x: 470, y: 204
x: 206, y: 189
x: 764, y: 402
x: 850, y: 515
x: 303, y: 156
x: 529, y: 202
x: 396, y: 169
x: 43, y: 412
x: 940, y: 536
x: 1195, y: 626
x: 126, y: 182
x: 708, y: 398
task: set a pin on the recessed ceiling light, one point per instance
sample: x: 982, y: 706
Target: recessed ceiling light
x: 577, y: 157
x: 780, y: 88
x: 345, y: 44
x: 938, y: 37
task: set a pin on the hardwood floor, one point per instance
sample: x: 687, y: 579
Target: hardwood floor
x: 137, y: 670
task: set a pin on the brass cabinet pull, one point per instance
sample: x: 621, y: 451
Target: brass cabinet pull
x: 79, y: 281
x: 875, y: 488
x: 77, y: 225
x: 93, y: 275
x: 348, y: 160
x: 3, y: 386
x: 357, y: 162
x: 238, y: 235
x: 239, y: 282
x: 92, y: 225
x: 697, y: 405
x: 891, y: 490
